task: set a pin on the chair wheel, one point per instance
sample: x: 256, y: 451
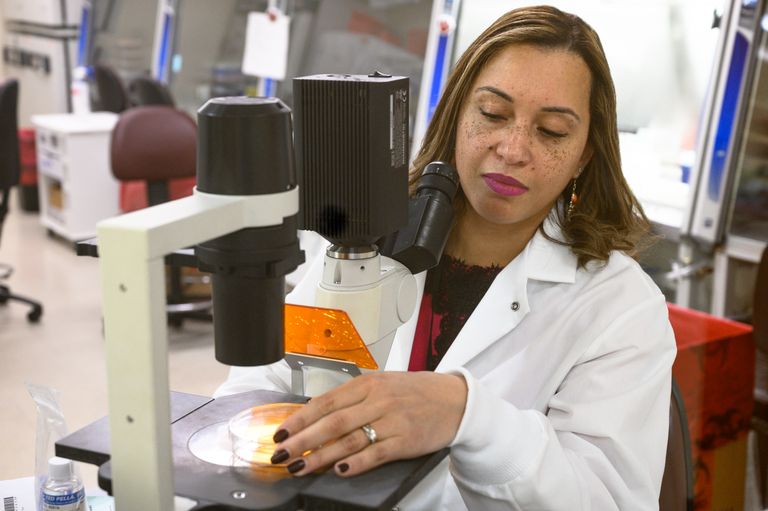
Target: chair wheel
x: 34, y: 315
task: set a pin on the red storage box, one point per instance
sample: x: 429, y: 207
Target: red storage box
x: 28, y: 198
x: 715, y: 369
x: 27, y: 157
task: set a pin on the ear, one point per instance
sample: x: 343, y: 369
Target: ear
x: 586, y: 156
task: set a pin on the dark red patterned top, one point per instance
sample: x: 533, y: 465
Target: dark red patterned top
x: 452, y: 291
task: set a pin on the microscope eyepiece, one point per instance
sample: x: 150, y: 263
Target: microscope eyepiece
x: 420, y: 244
x: 440, y: 176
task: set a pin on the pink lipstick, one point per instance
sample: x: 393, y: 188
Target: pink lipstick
x: 504, y: 185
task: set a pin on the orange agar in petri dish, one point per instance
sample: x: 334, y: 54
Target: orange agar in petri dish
x: 251, y: 432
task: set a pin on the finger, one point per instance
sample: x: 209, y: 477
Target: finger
x: 344, y: 396
x: 369, y: 458
x: 328, y: 429
x: 352, y: 442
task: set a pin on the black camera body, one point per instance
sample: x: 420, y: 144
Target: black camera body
x: 351, y: 139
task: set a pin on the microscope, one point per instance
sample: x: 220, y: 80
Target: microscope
x: 351, y: 140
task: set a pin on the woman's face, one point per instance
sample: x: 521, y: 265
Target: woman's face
x: 522, y: 133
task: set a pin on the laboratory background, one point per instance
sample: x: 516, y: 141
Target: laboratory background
x: 99, y: 99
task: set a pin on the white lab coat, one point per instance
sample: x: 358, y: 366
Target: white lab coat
x: 568, y: 371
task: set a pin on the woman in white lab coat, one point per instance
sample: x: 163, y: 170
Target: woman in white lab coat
x: 541, y: 353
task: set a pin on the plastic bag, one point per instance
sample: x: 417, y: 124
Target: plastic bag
x: 50, y: 428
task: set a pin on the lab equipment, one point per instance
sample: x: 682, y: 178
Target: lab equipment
x: 132, y: 248
x: 249, y: 265
x: 63, y: 491
x: 255, y: 242
x: 355, y: 190
x: 744, y: 215
x: 205, y: 472
x: 355, y: 194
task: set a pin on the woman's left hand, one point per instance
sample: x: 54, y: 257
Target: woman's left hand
x: 411, y: 414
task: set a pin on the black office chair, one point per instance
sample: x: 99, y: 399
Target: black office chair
x: 677, y: 482
x: 760, y: 412
x: 144, y: 91
x: 10, y: 170
x: 109, y: 93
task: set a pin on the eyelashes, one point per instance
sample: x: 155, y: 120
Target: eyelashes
x: 544, y: 131
x: 552, y: 134
x: 493, y: 117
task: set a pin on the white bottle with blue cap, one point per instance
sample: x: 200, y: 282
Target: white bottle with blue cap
x: 63, y: 491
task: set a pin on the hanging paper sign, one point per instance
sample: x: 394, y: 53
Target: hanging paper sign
x: 266, y: 45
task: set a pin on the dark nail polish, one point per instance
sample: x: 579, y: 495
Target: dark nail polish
x: 280, y: 436
x: 296, y: 466
x: 280, y: 456
x: 343, y: 467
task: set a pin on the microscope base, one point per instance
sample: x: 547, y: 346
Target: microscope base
x: 222, y: 488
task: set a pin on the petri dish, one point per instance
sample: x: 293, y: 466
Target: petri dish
x: 251, y: 432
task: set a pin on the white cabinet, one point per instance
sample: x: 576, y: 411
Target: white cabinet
x: 75, y: 182
x: 43, y: 12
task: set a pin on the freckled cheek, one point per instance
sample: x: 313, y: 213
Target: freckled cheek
x: 554, y: 171
x: 472, y: 142
x: 473, y: 131
x: 557, y: 165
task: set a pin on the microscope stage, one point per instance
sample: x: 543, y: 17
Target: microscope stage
x: 224, y: 487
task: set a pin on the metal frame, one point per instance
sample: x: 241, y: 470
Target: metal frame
x: 298, y: 363
x: 132, y: 249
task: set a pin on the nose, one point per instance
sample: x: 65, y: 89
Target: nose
x: 514, y: 146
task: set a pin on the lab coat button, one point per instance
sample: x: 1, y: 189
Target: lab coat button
x: 515, y: 306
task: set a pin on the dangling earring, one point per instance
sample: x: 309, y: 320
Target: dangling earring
x: 574, y: 199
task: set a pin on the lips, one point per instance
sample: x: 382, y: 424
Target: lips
x: 504, y: 185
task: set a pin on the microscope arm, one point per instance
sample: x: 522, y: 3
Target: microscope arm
x: 132, y: 248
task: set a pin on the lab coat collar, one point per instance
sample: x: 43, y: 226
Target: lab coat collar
x: 502, y: 307
x: 549, y: 261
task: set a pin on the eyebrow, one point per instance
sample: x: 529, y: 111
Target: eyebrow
x: 553, y: 109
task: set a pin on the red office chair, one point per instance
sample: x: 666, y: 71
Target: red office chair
x: 158, y: 145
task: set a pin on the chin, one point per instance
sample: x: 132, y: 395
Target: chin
x: 498, y: 215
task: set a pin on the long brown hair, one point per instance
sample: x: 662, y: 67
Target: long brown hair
x: 608, y: 216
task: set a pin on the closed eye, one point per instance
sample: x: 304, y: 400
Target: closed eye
x: 492, y: 116
x: 552, y: 134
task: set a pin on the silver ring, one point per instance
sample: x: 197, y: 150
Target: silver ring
x: 370, y: 433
